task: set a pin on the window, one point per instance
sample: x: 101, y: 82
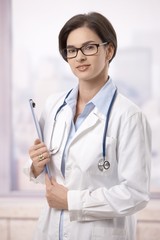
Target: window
x: 31, y: 67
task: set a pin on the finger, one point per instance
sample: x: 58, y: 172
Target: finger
x: 53, y: 181
x: 50, y: 181
x: 41, y: 148
x: 47, y: 180
x: 41, y: 151
x: 37, y: 145
x: 37, y: 141
x: 35, y: 153
x: 43, y: 156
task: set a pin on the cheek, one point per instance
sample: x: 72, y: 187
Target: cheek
x: 71, y: 65
x: 73, y: 69
x: 99, y: 64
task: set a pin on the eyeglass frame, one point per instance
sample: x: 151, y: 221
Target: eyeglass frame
x: 81, y: 49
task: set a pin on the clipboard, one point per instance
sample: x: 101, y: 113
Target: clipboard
x: 38, y: 128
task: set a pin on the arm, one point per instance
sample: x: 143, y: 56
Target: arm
x: 132, y: 192
x: 34, y: 168
x: 56, y: 194
x: 35, y: 152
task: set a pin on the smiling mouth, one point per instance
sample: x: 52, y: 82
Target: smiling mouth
x: 82, y: 67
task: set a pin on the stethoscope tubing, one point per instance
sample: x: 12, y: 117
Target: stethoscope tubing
x: 63, y: 104
x: 103, y: 163
x: 106, y: 124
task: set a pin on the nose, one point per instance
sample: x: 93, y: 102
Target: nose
x: 80, y: 56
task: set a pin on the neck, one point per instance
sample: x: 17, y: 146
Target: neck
x: 87, y: 90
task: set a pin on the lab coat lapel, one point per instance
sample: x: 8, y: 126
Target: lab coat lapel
x: 60, y: 135
x: 61, y: 130
x: 58, y: 130
x: 92, y: 120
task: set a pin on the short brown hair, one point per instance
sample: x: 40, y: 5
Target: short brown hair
x: 93, y: 20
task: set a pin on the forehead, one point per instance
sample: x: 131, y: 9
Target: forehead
x: 81, y: 35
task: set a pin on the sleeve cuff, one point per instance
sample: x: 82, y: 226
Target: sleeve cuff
x: 75, y: 205
x: 39, y: 179
x: 27, y: 170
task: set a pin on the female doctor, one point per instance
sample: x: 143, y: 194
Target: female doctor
x: 97, y: 145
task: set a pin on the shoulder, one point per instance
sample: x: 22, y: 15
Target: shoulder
x: 54, y: 99
x: 125, y: 110
x: 52, y: 104
x: 127, y: 115
x: 124, y: 106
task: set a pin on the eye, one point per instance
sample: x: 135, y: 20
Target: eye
x: 89, y: 47
x: 71, y: 50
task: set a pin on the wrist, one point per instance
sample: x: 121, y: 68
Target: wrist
x: 36, y: 170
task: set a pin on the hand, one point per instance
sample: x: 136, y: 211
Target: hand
x: 56, y: 194
x: 40, y: 156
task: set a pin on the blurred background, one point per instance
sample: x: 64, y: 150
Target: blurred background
x: 31, y: 67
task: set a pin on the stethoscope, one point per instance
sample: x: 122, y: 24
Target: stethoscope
x: 103, y: 164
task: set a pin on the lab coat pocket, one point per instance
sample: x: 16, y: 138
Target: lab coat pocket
x: 110, y: 157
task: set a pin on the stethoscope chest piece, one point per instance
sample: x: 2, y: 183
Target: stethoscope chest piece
x: 103, y: 165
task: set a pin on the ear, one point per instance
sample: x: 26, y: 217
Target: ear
x: 110, y: 51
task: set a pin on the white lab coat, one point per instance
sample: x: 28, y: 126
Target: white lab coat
x: 101, y: 204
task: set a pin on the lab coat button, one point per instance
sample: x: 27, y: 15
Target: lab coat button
x: 65, y: 236
x: 68, y: 168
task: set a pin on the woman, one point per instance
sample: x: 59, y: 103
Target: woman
x: 96, y: 144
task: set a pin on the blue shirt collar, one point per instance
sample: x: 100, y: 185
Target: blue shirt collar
x: 101, y: 100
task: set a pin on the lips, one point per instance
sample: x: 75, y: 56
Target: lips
x: 82, y: 68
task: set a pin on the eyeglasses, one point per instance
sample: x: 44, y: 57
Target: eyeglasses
x: 88, y: 50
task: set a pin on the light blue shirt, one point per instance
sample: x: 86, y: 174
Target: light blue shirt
x: 102, y: 101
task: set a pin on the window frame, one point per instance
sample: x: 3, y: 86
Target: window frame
x: 5, y: 95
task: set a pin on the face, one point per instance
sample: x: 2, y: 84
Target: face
x: 93, y: 67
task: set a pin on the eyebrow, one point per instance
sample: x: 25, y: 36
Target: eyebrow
x: 83, y: 44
